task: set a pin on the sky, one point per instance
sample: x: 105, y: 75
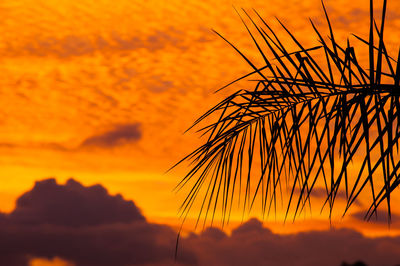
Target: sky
x: 102, y: 92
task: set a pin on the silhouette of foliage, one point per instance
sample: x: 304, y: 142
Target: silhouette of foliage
x: 357, y: 263
x: 310, y: 113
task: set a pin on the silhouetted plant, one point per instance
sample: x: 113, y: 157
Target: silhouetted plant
x: 357, y: 263
x: 305, y: 121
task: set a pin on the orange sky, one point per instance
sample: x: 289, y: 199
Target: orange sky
x: 72, y: 73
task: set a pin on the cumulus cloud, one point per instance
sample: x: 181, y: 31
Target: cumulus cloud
x: 84, y: 225
x: 120, y: 134
x: 87, y: 226
x: 72, y: 204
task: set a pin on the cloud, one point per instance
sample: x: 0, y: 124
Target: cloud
x: 252, y: 244
x: 120, y: 134
x: 83, y: 225
x: 72, y: 204
x: 77, y: 45
x: 137, y: 243
x: 87, y: 226
x: 321, y: 193
x: 157, y: 84
x: 379, y: 218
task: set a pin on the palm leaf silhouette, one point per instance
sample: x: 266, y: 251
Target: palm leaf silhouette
x: 303, y: 123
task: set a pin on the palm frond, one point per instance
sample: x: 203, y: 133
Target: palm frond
x: 311, y: 114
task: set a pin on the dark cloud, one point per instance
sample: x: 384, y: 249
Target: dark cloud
x: 84, y: 225
x: 87, y: 226
x: 379, y: 217
x: 120, y: 134
x: 138, y: 243
x: 252, y: 244
x: 321, y: 193
x: 72, y: 205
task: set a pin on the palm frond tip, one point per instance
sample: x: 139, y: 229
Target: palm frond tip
x: 304, y: 123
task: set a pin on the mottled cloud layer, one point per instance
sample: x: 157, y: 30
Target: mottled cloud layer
x: 87, y: 226
x: 71, y: 69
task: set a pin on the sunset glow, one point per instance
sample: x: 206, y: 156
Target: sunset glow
x: 102, y: 92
